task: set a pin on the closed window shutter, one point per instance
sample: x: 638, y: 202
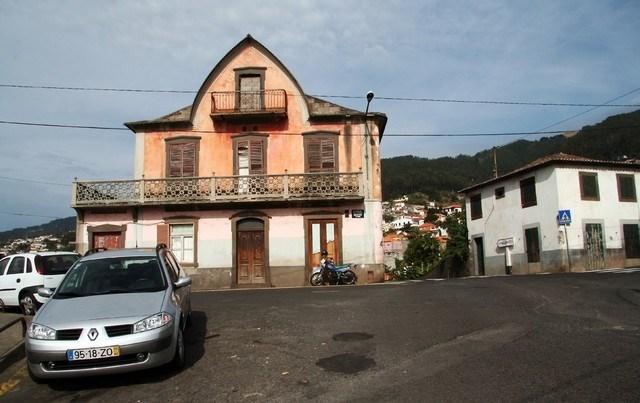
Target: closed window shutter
x: 182, y: 160
x: 328, y: 156
x: 256, y: 153
x: 163, y: 234
x: 321, y: 155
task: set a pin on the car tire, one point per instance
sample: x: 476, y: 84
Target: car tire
x: 178, y: 357
x: 28, y: 303
x: 36, y: 379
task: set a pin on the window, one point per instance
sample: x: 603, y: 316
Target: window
x: 528, y: 192
x: 476, y: 206
x: 3, y: 265
x: 182, y: 157
x: 29, y: 267
x: 16, y: 266
x: 499, y: 192
x: 626, y: 188
x: 250, y: 156
x: 172, y: 266
x: 533, y: 245
x: 250, y: 89
x: 182, y: 242
x: 589, y: 186
x: 321, y: 153
x: 631, y: 240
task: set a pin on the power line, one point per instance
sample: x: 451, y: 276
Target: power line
x: 389, y: 98
x: 486, y: 134
x: 10, y: 178
x: 27, y: 215
x: 591, y: 109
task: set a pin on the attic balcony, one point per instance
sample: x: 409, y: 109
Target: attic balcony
x: 249, y: 106
x: 286, y: 188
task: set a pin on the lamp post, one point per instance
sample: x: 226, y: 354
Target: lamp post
x: 367, y: 135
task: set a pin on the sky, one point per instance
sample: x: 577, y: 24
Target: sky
x: 526, y: 51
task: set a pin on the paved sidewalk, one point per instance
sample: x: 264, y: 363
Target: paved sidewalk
x: 11, y: 339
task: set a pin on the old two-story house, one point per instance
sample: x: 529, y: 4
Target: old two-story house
x: 249, y: 183
x: 559, y: 213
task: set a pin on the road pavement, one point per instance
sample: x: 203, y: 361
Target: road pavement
x: 573, y: 337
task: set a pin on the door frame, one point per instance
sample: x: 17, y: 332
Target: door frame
x: 97, y: 229
x: 257, y: 215
x: 477, y: 262
x: 307, y: 239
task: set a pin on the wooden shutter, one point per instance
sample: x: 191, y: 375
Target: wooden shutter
x: 182, y: 159
x: 163, y: 233
x: 321, y: 155
x: 256, y: 157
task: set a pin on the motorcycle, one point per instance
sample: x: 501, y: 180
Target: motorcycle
x: 333, y: 274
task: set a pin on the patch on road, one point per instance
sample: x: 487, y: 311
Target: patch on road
x: 352, y: 336
x: 347, y: 363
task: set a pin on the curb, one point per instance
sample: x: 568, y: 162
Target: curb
x: 15, y: 354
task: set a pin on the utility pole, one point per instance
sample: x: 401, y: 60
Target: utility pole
x: 495, y: 163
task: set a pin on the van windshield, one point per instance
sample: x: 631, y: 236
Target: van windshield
x: 55, y: 264
x: 112, y: 276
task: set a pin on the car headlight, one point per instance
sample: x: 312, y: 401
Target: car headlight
x: 152, y: 322
x: 41, y: 332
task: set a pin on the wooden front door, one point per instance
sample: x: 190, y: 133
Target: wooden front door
x: 109, y: 240
x: 323, y: 234
x: 251, y: 261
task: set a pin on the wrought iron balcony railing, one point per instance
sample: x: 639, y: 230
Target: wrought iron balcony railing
x: 218, y: 189
x: 249, y: 102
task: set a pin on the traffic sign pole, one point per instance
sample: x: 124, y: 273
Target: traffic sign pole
x: 566, y: 240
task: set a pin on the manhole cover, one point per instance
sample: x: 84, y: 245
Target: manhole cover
x: 352, y: 336
x: 347, y: 363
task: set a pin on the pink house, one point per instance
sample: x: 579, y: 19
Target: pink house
x: 248, y: 183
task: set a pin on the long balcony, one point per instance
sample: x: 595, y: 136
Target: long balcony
x: 249, y: 105
x: 219, y: 189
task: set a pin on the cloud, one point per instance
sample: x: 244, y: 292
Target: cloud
x: 569, y: 51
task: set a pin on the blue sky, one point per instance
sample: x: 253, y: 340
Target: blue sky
x: 555, y: 51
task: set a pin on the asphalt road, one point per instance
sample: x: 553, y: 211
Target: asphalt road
x: 572, y: 337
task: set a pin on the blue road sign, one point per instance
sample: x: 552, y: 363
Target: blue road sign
x: 564, y: 217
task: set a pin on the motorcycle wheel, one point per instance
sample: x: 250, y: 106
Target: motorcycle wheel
x: 349, y: 277
x: 316, y: 279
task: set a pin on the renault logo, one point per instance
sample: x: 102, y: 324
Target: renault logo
x: 93, y: 334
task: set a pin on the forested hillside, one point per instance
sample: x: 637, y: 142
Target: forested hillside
x: 615, y: 138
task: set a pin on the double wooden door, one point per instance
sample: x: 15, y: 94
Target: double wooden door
x: 323, y: 234
x: 251, y: 257
x: 109, y: 240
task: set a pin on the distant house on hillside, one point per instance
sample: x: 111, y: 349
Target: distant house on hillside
x: 519, y: 216
x: 249, y: 183
x: 452, y: 209
x: 394, y: 246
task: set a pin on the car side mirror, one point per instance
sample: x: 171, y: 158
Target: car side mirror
x: 45, y: 292
x: 182, y: 282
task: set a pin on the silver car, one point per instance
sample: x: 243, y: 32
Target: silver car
x: 115, y: 311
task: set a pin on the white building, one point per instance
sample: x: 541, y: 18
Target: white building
x: 401, y: 222
x: 517, y: 214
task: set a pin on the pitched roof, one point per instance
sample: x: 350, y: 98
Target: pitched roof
x: 553, y: 159
x: 182, y: 115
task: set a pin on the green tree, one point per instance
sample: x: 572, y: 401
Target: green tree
x: 423, y: 251
x: 457, y: 250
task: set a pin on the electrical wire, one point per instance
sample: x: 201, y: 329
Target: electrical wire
x: 10, y: 178
x: 389, y: 98
x: 487, y: 134
x: 28, y: 215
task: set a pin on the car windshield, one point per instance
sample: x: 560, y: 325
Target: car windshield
x: 112, y: 276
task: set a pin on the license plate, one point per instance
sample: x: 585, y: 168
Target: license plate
x: 93, y: 353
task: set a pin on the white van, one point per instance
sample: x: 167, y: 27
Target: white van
x: 21, y: 275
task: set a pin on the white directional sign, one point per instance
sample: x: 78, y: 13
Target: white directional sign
x: 564, y: 217
x: 503, y: 243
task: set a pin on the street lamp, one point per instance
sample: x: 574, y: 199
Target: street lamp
x: 367, y: 135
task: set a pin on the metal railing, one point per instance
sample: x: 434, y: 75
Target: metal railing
x: 219, y: 189
x: 249, y: 101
